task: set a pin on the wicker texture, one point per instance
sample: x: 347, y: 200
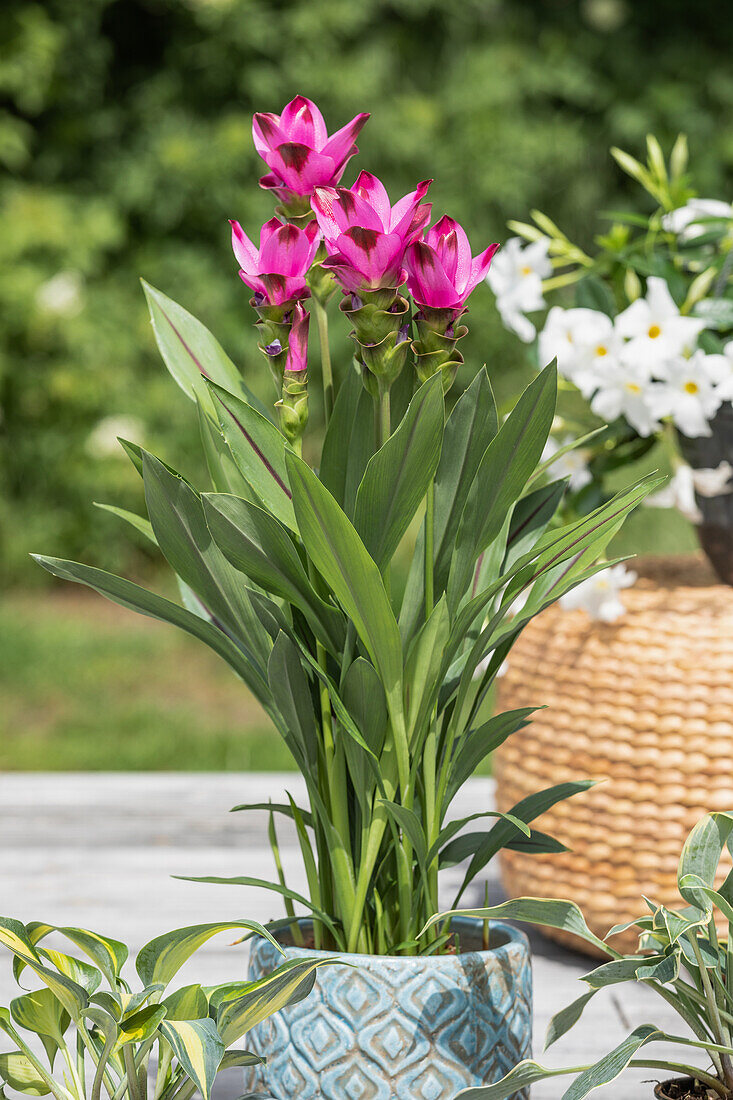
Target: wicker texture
x: 645, y: 704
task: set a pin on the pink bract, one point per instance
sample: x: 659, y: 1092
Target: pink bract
x: 441, y: 273
x: 297, y: 149
x: 276, y: 270
x: 365, y: 236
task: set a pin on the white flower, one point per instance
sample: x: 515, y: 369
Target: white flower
x: 102, y: 440
x: 626, y: 390
x: 572, y: 465
x: 583, y: 341
x: 515, y: 276
x: 599, y: 594
x: 689, y: 391
x: 684, y: 221
x: 62, y: 295
x: 680, y: 491
x: 654, y: 326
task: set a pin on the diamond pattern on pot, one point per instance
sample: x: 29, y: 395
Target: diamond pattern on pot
x: 386, y: 1028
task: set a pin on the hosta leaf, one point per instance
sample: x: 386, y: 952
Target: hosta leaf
x: 258, y: 450
x: 18, y: 1071
x: 550, y: 912
x: 140, y: 1025
x: 189, y: 351
x: 342, y: 559
x: 81, y: 972
x: 398, y: 475
x: 237, y: 1014
x: 567, y: 1017
x: 162, y: 958
x: 41, y: 1012
x: 187, y: 1003
x: 701, y: 854
x: 521, y: 1077
x: 199, y: 1049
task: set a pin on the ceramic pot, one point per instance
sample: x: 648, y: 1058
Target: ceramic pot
x: 398, y: 1028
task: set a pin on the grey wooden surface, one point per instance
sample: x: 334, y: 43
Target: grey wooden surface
x: 99, y: 850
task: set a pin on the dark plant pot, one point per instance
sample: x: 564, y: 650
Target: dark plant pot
x: 398, y: 1028
x: 716, y: 530
x: 682, y: 1088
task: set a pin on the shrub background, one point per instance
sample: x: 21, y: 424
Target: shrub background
x: 125, y: 146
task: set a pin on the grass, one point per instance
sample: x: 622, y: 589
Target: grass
x: 88, y: 686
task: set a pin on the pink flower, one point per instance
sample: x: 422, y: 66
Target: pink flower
x: 298, y: 151
x: 276, y: 271
x: 297, y: 350
x: 365, y: 236
x: 441, y: 272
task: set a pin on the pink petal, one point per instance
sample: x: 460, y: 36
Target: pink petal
x: 286, y: 252
x: 300, y: 168
x: 373, y: 191
x: 324, y: 203
x: 449, y: 240
x: 479, y: 266
x: 426, y: 279
x: 244, y: 250
x: 297, y: 359
x: 340, y: 145
x: 269, y: 229
x: 347, y: 275
x: 356, y: 210
x: 377, y: 255
x: 266, y: 133
x: 407, y: 204
x: 254, y: 283
x: 283, y: 288
x: 302, y: 122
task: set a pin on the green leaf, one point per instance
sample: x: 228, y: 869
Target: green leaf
x: 618, y: 971
x: 423, y: 664
x: 701, y: 853
x: 139, y: 1026
x: 342, y: 559
x: 135, y: 598
x: 189, y: 351
x: 187, y: 1003
x: 40, y: 1011
x: 476, y: 744
x: 593, y: 293
x: 259, y: 450
x: 178, y: 520
x: 259, y: 546
x: 275, y: 807
x: 140, y: 523
x: 20, y: 1074
x: 717, y: 313
x: 199, y: 1049
x: 410, y: 824
x: 292, y: 695
x: 693, y: 885
x: 81, y: 972
x: 549, y: 912
x: 530, y: 517
x: 162, y: 958
x: 609, y: 1067
x: 348, y: 443
x: 223, y: 470
x: 504, y: 470
x: 238, y: 1012
x: 567, y: 1017
x: 398, y: 475
x: 521, y: 1077
x: 363, y: 698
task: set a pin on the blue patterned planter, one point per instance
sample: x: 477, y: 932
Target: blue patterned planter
x: 391, y: 1028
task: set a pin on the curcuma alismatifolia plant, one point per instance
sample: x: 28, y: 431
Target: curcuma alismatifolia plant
x: 99, y: 1035
x: 285, y: 566
x: 680, y: 957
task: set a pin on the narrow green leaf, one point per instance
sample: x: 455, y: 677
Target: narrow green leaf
x: 189, y: 351
x: 342, y: 559
x: 476, y: 744
x: 292, y: 695
x: 550, y: 912
x: 258, y: 450
x: 398, y: 475
x: 567, y: 1017
x: 348, y: 443
x: 223, y: 470
x: 140, y: 523
x: 521, y: 1077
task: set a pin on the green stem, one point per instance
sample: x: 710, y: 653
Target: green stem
x: 289, y: 907
x: 384, y: 430
x: 716, y: 1022
x: 326, y: 369
x: 133, y: 1082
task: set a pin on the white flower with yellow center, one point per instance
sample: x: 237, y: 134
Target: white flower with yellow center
x: 583, y: 341
x: 689, y: 221
x: 627, y: 390
x: 680, y: 490
x: 654, y: 327
x: 515, y: 276
x: 599, y: 594
x: 689, y: 391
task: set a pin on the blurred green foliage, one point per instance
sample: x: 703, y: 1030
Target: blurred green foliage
x: 125, y: 144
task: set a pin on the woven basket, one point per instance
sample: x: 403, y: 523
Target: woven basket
x: 645, y: 703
